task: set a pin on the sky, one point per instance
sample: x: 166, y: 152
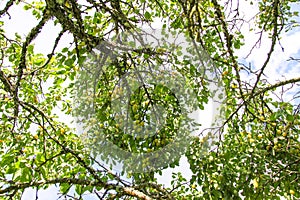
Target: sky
x: 22, y: 22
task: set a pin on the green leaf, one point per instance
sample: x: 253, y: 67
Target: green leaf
x: 64, y: 188
x: 69, y: 62
x: 27, y: 7
x: 64, y: 50
x: 78, y: 189
x: 290, y: 118
x: 147, y: 15
x: 237, y: 45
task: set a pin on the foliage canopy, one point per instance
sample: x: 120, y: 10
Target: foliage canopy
x: 256, y: 149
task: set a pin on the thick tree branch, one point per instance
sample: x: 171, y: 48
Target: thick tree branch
x: 276, y: 85
x: 7, y: 6
x: 22, y: 65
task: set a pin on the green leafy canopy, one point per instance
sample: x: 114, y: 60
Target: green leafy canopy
x: 252, y: 152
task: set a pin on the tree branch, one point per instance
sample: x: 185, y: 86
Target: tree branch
x: 7, y: 6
